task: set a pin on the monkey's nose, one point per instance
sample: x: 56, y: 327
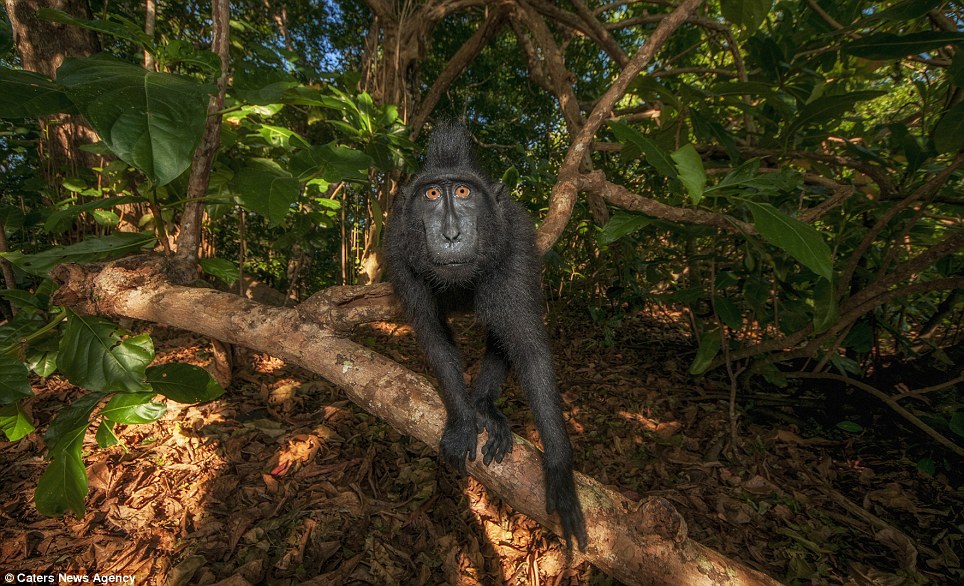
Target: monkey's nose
x: 451, y: 233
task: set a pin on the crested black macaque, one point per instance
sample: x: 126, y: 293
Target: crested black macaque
x: 457, y: 240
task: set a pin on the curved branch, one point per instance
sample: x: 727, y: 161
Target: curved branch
x: 596, y: 183
x: 887, y: 400
x: 564, y: 192
x: 453, y: 69
x: 637, y: 543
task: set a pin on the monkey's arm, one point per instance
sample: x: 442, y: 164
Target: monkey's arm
x: 460, y: 436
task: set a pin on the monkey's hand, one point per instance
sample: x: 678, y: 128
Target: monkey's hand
x: 561, y: 498
x: 458, y: 442
x: 499, y: 444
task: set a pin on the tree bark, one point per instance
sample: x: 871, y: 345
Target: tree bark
x: 189, y: 237
x: 43, y: 46
x: 637, y: 543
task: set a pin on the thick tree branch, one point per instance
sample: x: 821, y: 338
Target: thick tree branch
x: 566, y: 188
x: 636, y: 543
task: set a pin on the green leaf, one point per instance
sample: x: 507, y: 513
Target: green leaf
x: 691, y: 172
x: 93, y: 355
x: 102, y: 248
x: 124, y: 29
x: 261, y: 85
x: 62, y: 217
x: 221, y: 268
x: 510, y: 178
x: 910, y: 9
x: 30, y: 95
x: 71, y: 420
x: 150, y: 120
x: 956, y: 424
x: 709, y: 347
x: 799, y: 240
x: 267, y: 189
x: 13, y: 380
x: 43, y: 363
x: 620, y: 225
x: 105, y: 434
x: 184, y: 383
x: 331, y: 162
x: 728, y: 312
x: 746, y: 13
x: 882, y: 46
x: 949, y: 132
x: 655, y: 156
x: 21, y: 298
x: 828, y: 109
x: 955, y: 71
x: 14, y: 422
x: 825, y: 312
x: 851, y: 426
x: 63, y: 485
x: 133, y: 408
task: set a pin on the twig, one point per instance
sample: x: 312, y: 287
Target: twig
x: 887, y: 400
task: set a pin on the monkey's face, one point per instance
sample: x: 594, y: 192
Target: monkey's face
x: 449, y: 210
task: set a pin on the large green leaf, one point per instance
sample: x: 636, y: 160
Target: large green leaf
x: 133, y: 408
x: 949, y: 132
x: 93, y: 355
x: 691, y: 172
x: 13, y: 380
x: 29, y: 95
x: 221, y: 268
x: 622, y: 224
x: 71, y: 420
x: 881, y: 46
x: 746, y: 13
x: 150, y: 120
x: 267, y: 189
x: 63, y: 485
x: 104, y: 247
x: 634, y: 143
x: 799, y: 240
x: 709, y: 347
x: 14, y: 422
x: 184, y: 383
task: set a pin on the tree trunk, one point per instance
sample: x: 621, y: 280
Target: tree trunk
x: 43, y: 46
x: 637, y: 543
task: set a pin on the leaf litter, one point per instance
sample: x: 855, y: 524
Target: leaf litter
x: 283, y: 481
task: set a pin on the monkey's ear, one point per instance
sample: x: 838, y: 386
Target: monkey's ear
x: 500, y: 190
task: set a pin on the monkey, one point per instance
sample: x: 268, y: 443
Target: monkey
x: 456, y: 240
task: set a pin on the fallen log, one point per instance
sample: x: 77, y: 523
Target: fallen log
x: 637, y: 543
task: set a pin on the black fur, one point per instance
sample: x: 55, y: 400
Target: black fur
x: 479, y: 252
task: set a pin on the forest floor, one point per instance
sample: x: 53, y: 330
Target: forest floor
x: 283, y: 481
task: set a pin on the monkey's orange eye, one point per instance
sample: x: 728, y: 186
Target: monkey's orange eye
x: 462, y: 191
x: 433, y: 193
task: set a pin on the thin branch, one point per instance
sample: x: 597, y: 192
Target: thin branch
x: 924, y: 190
x: 887, y: 400
x: 565, y: 190
x: 456, y: 65
x: 189, y: 237
x: 596, y: 183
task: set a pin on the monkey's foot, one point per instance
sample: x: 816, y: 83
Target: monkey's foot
x: 489, y: 418
x: 459, y: 441
x: 561, y: 498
